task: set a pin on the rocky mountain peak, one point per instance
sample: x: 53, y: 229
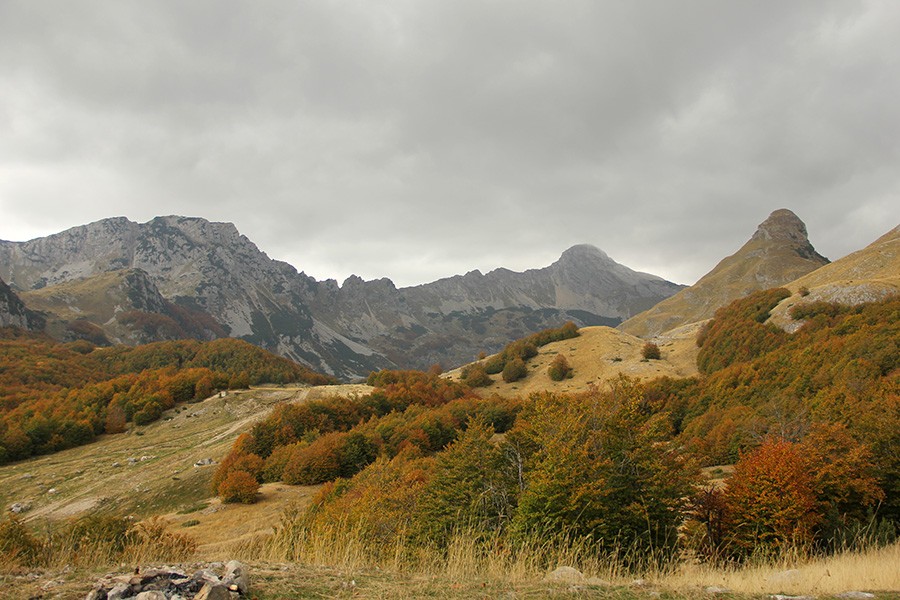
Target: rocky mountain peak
x: 581, y: 253
x: 777, y: 253
x: 784, y: 227
x: 782, y: 224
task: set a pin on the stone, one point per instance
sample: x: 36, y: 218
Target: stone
x: 154, y: 595
x: 203, y: 462
x: 19, y: 507
x: 855, y: 595
x: 213, y: 591
x: 236, y: 575
x: 715, y: 590
x: 119, y: 591
x: 98, y: 593
x: 564, y: 575
x: 785, y: 597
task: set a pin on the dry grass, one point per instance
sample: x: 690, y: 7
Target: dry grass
x: 599, y: 355
x: 468, y: 560
x: 876, y: 569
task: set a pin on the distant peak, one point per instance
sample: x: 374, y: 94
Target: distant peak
x: 784, y: 225
x: 583, y: 251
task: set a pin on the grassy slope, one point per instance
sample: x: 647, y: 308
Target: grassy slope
x: 598, y: 355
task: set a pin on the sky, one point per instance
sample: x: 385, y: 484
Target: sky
x: 418, y: 139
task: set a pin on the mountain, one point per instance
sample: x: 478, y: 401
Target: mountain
x: 868, y: 275
x: 13, y: 312
x: 778, y: 252
x: 133, y: 281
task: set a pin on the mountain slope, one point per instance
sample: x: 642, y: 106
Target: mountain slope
x: 13, y: 312
x: 777, y: 253
x: 345, y: 330
x: 868, y: 275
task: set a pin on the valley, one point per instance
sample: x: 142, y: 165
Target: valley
x: 778, y: 368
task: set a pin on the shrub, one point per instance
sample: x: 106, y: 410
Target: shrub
x: 514, y: 370
x: 317, y: 463
x: 239, y: 486
x: 475, y: 375
x: 650, y: 351
x: 559, y: 368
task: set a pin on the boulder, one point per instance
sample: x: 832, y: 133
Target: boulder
x: 236, y: 577
x: 564, y: 575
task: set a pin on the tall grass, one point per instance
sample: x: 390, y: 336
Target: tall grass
x: 470, y: 555
x: 92, y: 542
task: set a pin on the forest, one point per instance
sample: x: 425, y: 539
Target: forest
x: 810, y: 420
x: 60, y: 395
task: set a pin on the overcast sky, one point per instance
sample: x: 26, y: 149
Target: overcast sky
x: 419, y: 139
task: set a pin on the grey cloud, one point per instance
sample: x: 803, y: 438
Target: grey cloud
x: 416, y: 140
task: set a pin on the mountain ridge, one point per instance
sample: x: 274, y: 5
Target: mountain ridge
x: 346, y: 330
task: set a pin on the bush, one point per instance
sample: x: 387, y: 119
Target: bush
x: 239, y: 486
x: 317, y: 463
x: 514, y: 370
x: 650, y: 351
x: 559, y: 368
x: 475, y: 375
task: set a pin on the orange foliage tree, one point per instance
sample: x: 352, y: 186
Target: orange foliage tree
x: 770, y: 500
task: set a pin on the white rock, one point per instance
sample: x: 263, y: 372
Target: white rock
x: 565, y: 575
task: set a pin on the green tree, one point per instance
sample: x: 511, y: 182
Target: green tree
x: 603, y: 465
x: 472, y: 488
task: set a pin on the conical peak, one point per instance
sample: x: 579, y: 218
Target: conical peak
x: 584, y: 251
x: 784, y: 225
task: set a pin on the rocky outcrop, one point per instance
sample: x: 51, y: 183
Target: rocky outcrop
x: 776, y: 254
x: 13, y: 312
x: 345, y: 330
x: 214, y: 582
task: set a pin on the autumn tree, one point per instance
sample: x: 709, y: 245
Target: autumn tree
x: 770, y: 500
x: 239, y: 486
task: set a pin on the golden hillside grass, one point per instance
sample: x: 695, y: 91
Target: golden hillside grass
x: 599, y: 355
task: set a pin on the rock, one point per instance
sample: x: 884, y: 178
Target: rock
x: 236, y: 576
x: 119, y: 591
x: 154, y: 595
x: 564, y: 575
x: 203, y: 462
x: 597, y: 582
x: 784, y: 597
x: 52, y: 491
x: 213, y: 591
x: 714, y: 589
x: 19, y: 507
x: 855, y: 595
x: 98, y: 593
